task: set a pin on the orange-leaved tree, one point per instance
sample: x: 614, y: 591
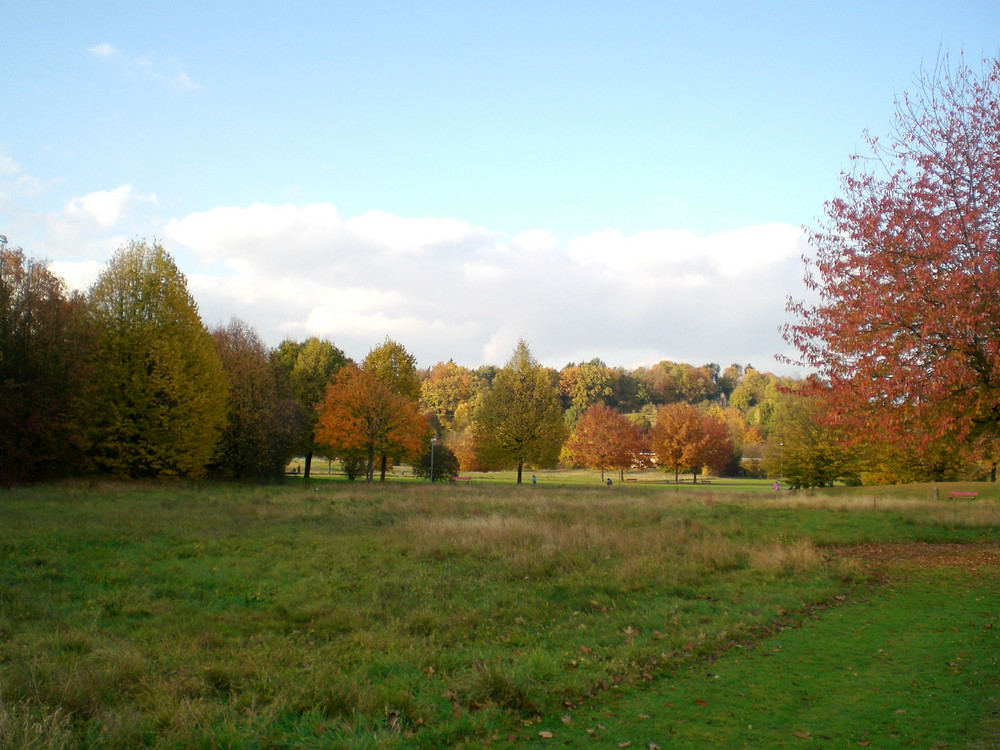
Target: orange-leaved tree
x: 361, y: 413
x: 685, y: 438
x: 604, y: 439
x: 907, y: 270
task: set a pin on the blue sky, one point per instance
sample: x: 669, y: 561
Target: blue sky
x: 622, y: 180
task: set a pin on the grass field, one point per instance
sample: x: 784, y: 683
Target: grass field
x: 329, y: 614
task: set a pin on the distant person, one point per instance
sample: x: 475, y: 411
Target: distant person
x: 534, y: 479
x: 777, y: 487
x: 609, y: 481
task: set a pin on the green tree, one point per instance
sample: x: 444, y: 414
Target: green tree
x: 161, y: 391
x: 262, y: 422
x: 445, y: 464
x: 520, y: 419
x: 309, y: 368
x: 803, y: 450
x: 44, y: 347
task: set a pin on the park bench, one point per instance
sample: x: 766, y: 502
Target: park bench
x: 957, y: 495
x: 631, y: 479
x: 461, y: 479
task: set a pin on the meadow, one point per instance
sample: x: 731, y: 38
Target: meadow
x: 568, y: 614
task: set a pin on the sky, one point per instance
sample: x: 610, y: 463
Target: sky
x: 629, y: 181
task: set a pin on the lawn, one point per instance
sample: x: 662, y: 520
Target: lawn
x: 329, y: 614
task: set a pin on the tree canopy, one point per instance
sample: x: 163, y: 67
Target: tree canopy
x: 907, y: 270
x: 161, y: 391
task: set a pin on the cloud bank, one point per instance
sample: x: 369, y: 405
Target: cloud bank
x: 443, y: 287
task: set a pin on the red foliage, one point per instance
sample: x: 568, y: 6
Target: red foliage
x: 906, y: 333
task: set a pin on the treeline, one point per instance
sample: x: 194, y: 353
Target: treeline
x: 126, y: 380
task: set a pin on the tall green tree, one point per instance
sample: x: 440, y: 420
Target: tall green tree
x: 309, y: 368
x: 161, y: 391
x: 520, y: 420
x: 262, y: 422
x: 44, y: 348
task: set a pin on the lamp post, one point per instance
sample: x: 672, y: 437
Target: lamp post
x: 433, y: 441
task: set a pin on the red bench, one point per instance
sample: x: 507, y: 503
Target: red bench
x: 956, y: 495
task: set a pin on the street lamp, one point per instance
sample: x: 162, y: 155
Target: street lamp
x: 3, y: 241
x: 433, y: 441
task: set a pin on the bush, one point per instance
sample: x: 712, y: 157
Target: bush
x: 445, y: 464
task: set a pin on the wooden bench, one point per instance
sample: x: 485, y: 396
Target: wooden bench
x: 631, y: 479
x: 956, y: 495
x: 461, y: 479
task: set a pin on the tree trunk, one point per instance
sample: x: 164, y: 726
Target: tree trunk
x: 993, y: 472
x: 677, y: 475
x: 520, y: 465
x: 370, y: 468
x: 309, y: 460
x: 383, y: 463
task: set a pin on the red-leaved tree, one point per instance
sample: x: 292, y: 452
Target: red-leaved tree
x: 604, y: 439
x: 906, y: 332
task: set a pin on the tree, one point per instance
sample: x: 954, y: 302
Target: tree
x: 396, y: 369
x: 447, y: 388
x: 44, y: 350
x: 803, y: 449
x: 161, y: 391
x: 362, y: 415
x: 520, y: 419
x: 684, y: 438
x: 583, y: 385
x: 605, y: 439
x: 907, y: 270
x: 445, y: 464
x: 309, y: 368
x: 261, y: 422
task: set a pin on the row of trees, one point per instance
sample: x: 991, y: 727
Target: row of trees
x: 127, y: 380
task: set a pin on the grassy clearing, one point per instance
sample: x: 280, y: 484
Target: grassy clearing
x: 407, y: 615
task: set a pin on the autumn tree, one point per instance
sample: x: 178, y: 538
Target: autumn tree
x: 804, y: 449
x: 446, y: 389
x: 396, y: 369
x: 309, y: 368
x: 161, y: 390
x: 584, y: 385
x: 262, y: 422
x: 907, y: 269
x: 686, y: 439
x: 520, y: 419
x: 364, y: 416
x: 44, y: 350
x: 604, y: 439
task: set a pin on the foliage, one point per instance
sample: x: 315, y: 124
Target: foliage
x: 803, y: 450
x: 161, y: 391
x: 44, y: 363
x: 584, y: 385
x: 308, y: 367
x: 261, y: 423
x: 685, y: 438
x: 442, y: 459
x: 604, y: 439
x: 447, y: 389
x: 908, y: 270
x: 362, y: 414
x: 520, y: 419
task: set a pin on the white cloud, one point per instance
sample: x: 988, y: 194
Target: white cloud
x: 167, y: 73
x: 105, y: 207
x: 103, y: 50
x: 448, y: 289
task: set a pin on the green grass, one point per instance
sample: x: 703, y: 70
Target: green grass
x: 331, y: 614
